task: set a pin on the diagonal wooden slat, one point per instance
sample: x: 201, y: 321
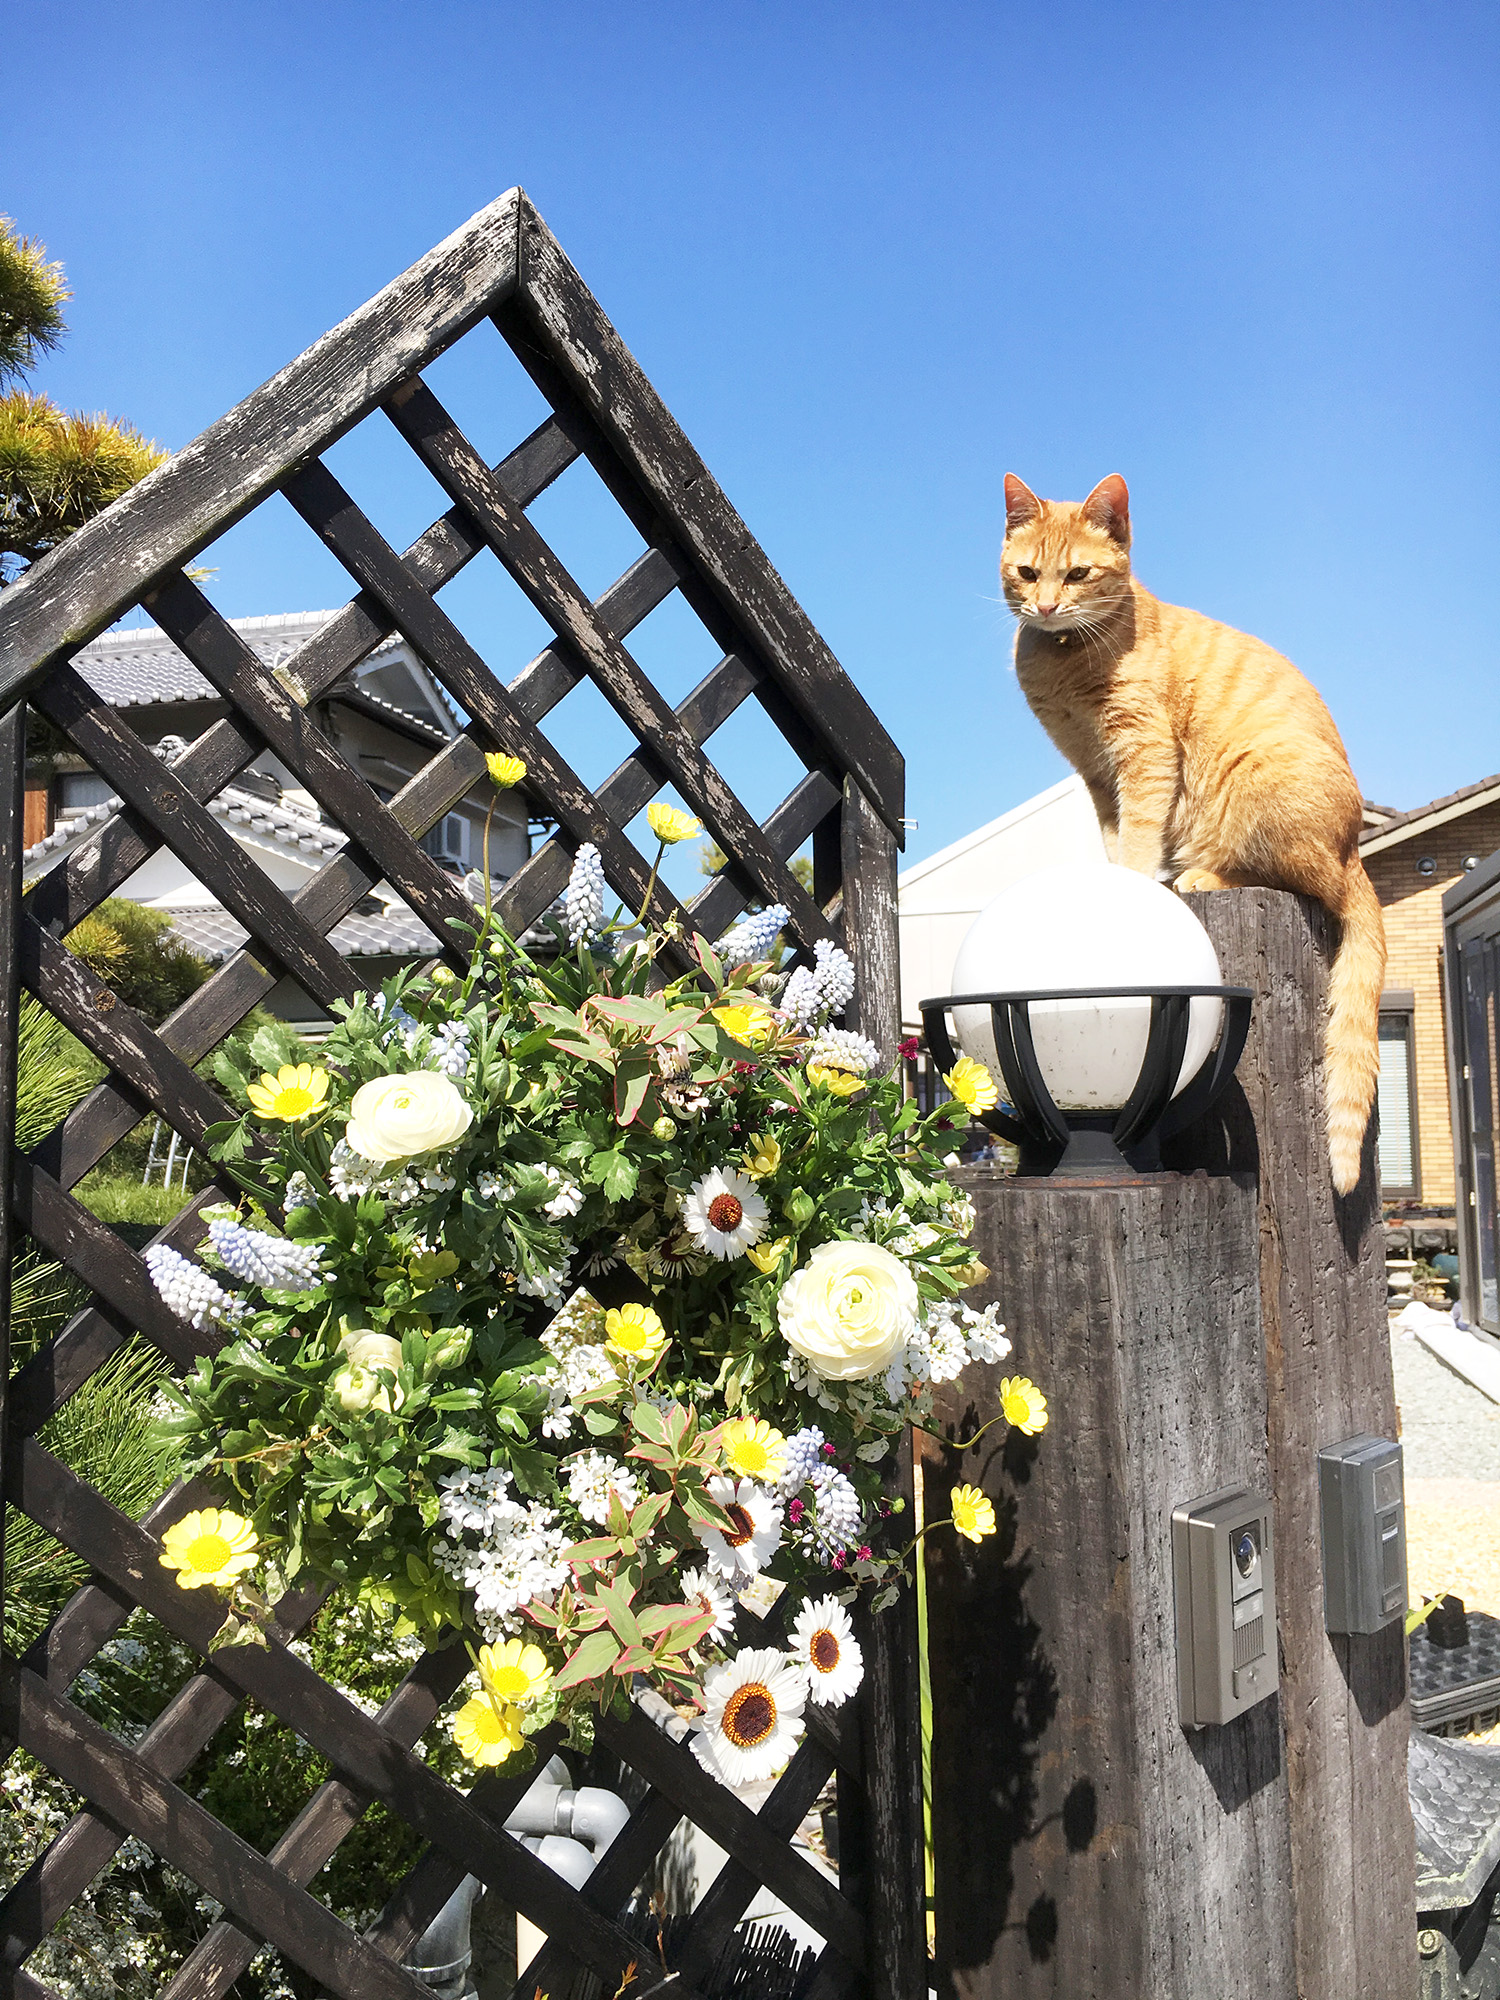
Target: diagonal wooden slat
x: 59, y: 1368
x: 224, y: 867
x: 103, y: 1260
x: 733, y: 1889
x: 333, y: 516
x: 175, y: 1826
x: 566, y: 317
x: 115, y: 1546
x: 712, y: 1806
x: 449, y: 456
x: 61, y: 1873
x: 223, y: 658
x: 115, y: 1033
x: 66, y: 894
x: 159, y: 525
x: 226, y: 1948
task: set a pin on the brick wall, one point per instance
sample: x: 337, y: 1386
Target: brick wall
x: 1413, y: 905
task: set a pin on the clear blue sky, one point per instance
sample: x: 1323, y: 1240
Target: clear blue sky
x: 872, y: 257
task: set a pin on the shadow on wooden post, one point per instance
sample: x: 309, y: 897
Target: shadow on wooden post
x: 1218, y: 1322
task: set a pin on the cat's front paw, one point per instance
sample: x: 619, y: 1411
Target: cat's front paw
x: 1193, y: 879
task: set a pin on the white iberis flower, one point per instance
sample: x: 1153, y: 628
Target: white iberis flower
x: 704, y: 1591
x: 753, y: 1713
x: 823, y: 1643
x: 755, y: 1537
x: 592, y: 1477
x: 724, y: 1214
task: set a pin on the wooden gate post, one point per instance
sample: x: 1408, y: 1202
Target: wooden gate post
x: 1322, y: 1277
x: 1086, y: 1846
x: 1221, y: 1321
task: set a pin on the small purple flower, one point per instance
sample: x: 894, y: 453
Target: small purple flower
x: 839, y: 1558
x: 864, y: 1552
x: 795, y: 1512
x: 829, y: 1451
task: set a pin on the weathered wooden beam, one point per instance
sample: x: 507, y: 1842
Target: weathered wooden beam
x: 1088, y: 1847
x: 85, y: 583
x: 1322, y: 1282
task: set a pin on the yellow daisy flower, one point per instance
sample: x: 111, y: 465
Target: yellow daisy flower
x: 762, y: 1156
x: 766, y: 1256
x: 516, y: 1672
x: 485, y: 1732
x: 837, y: 1082
x: 209, y: 1547
x: 750, y: 1022
x: 294, y: 1091
x: 1024, y: 1405
x: 973, y: 1515
x: 635, y: 1331
x: 507, y: 772
x: 972, y: 1085
x: 753, y: 1449
x: 671, y: 823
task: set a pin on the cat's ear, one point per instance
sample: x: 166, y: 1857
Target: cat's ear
x: 1021, y: 504
x: 1108, y: 507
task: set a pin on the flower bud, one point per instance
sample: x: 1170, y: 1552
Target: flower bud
x: 664, y: 1129
x: 799, y: 1208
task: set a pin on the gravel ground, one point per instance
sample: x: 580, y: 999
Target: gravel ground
x: 1448, y: 1429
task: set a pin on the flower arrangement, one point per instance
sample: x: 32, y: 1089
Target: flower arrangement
x: 564, y: 1302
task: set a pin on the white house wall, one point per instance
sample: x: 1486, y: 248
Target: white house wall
x: 940, y: 897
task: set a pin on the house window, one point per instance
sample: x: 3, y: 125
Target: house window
x: 77, y: 789
x: 447, y: 841
x: 1398, y: 1097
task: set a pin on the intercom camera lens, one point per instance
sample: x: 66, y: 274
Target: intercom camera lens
x: 1246, y: 1554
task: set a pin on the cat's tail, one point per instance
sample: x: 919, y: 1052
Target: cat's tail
x: 1352, y: 1045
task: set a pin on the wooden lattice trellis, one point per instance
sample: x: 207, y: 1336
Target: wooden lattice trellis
x: 506, y: 266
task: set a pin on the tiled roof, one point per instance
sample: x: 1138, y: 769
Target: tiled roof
x: 395, y: 933
x: 1396, y: 821
x: 133, y: 668
x: 277, y: 824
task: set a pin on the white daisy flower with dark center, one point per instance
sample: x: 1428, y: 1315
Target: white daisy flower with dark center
x: 824, y: 1646
x: 705, y: 1592
x: 753, y: 1713
x: 755, y: 1537
x: 724, y: 1214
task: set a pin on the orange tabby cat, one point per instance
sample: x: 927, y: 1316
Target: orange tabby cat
x: 1211, y: 762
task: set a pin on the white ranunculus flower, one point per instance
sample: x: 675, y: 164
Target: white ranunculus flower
x: 848, y: 1310
x: 356, y: 1385
x: 398, y: 1117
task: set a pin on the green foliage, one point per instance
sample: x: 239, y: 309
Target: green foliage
x: 57, y: 469
x: 60, y: 468
x: 54, y: 1071
x: 105, y: 1432
x: 32, y: 295
x: 135, y: 951
x: 123, y: 1199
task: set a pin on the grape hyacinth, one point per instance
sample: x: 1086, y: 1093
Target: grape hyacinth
x: 268, y: 1261
x: 188, y: 1290
x: 842, y: 1048
x: 812, y: 994
x: 752, y: 937
x: 583, y: 903
x: 832, y: 1522
x: 804, y: 1455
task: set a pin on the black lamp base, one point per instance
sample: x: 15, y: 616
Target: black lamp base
x: 1116, y: 1145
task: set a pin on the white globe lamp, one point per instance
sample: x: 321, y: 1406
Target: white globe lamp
x: 1093, y: 996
